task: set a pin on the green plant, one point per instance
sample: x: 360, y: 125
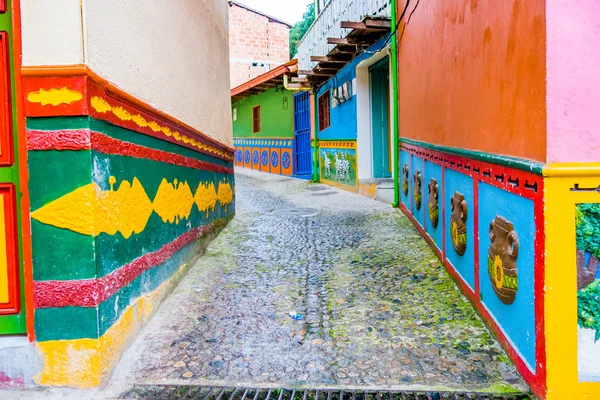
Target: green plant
x: 588, y: 307
x: 587, y: 220
x: 300, y: 29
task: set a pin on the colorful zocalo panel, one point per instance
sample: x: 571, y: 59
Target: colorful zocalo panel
x: 587, y: 224
x: 266, y: 155
x: 489, y: 233
x: 338, y: 164
x: 123, y: 200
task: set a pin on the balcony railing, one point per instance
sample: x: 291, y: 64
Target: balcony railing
x: 327, y: 25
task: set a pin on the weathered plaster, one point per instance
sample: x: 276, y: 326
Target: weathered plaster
x: 173, y: 55
x: 573, y: 62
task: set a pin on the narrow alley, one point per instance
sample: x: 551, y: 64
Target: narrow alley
x: 376, y: 308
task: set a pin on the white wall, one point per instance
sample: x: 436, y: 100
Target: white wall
x: 171, y: 54
x: 51, y: 32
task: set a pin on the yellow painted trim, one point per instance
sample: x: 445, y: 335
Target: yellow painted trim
x: 4, y: 295
x: 54, y: 96
x: 89, y: 210
x: 87, y: 363
x: 102, y: 106
x: 337, y: 144
x: 561, y: 285
x: 572, y: 170
x: 347, y: 188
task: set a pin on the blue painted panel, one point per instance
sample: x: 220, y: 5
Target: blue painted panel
x: 343, y: 122
x: 465, y: 264
x: 434, y: 171
x: 405, y: 160
x: 518, y: 319
x: 417, y: 165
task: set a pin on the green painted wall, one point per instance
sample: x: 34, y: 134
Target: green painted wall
x: 277, y: 119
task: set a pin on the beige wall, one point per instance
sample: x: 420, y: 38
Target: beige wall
x: 171, y: 54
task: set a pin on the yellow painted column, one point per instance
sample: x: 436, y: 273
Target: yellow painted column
x: 566, y: 185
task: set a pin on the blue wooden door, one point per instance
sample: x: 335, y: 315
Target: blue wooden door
x: 302, y: 150
x: 380, y: 115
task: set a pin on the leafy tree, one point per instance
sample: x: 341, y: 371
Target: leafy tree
x: 298, y: 31
x: 588, y: 228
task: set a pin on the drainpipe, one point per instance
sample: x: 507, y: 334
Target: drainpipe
x: 315, y: 142
x: 292, y: 87
x: 396, y: 141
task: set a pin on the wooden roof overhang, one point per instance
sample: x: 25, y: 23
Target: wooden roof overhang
x: 268, y: 80
x: 363, y: 34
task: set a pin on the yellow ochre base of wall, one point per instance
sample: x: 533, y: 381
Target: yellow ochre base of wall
x: 368, y: 189
x: 561, y: 196
x: 87, y: 363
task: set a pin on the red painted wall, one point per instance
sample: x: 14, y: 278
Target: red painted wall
x: 472, y: 75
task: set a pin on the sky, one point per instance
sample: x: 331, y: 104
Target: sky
x: 289, y: 11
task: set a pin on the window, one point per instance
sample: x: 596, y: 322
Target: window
x: 324, y: 111
x: 256, y: 119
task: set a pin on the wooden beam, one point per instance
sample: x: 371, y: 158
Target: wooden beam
x: 326, y: 59
x: 339, y: 41
x: 378, y: 23
x: 315, y: 73
x: 299, y: 80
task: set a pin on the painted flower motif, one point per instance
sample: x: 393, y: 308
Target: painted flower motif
x: 255, y: 157
x: 264, y: 158
x: 238, y: 156
x: 454, y: 232
x: 498, y: 272
x: 285, y: 160
x: 274, y: 159
x: 247, y: 156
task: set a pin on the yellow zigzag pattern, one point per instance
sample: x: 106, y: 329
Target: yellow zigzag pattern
x: 102, y: 106
x: 89, y: 210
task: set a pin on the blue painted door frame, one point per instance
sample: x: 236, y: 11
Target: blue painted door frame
x: 302, y: 149
x: 380, y: 118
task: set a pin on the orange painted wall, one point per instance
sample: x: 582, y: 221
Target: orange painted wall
x: 472, y: 75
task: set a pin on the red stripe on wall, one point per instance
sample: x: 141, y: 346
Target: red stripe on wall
x: 84, y: 139
x: 72, y: 139
x: 106, y: 144
x: 91, y: 292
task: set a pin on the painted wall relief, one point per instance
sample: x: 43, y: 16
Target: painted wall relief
x: 338, y: 165
x: 502, y: 259
x: 433, y: 197
x: 417, y: 189
x: 458, y: 223
x: 405, y: 179
x: 587, y: 221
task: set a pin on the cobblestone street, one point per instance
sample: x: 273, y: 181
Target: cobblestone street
x: 377, y: 307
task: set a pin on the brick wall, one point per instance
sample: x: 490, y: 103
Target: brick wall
x: 256, y: 44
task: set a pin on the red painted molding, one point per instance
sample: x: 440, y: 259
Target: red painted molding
x: 521, y: 183
x: 6, y: 131
x: 72, y: 139
x: 84, y: 139
x: 13, y: 306
x: 91, y: 87
x: 91, y: 292
x: 23, y: 171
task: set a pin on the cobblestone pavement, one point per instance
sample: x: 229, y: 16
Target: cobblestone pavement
x: 377, y: 307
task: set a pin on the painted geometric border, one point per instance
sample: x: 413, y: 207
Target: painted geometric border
x: 524, y: 184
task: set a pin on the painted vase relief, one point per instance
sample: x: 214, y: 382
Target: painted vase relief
x: 405, y: 179
x: 502, y: 259
x: 433, y: 198
x: 417, y: 189
x: 587, y: 221
x: 458, y: 223
x: 339, y: 165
